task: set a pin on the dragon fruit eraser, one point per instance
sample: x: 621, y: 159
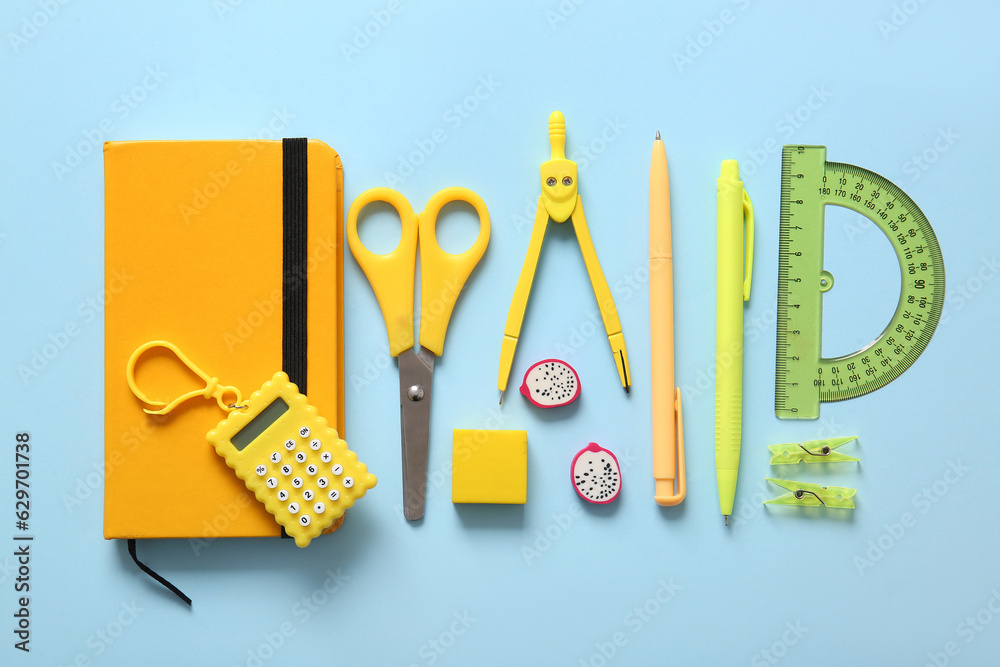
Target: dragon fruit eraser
x: 551, y: 383
x: 596, y: 474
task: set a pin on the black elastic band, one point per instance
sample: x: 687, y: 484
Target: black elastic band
x: 295, y: 195
x: 142, y: 566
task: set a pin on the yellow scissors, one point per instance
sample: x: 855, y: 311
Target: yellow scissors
x: 442, y: 276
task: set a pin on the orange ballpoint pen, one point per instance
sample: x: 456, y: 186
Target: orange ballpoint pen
x: 668, y: 422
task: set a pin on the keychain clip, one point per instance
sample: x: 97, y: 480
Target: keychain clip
x: 814, y: 451
x: 212, y: 387
x: 804, y: 494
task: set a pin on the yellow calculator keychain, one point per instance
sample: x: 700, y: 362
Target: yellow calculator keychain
x: 279, y: 446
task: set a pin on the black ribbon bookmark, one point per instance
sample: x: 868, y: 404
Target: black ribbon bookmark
x: 145, y: 568
x: 295, y: 214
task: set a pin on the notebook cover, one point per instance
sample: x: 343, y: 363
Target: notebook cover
x: 194, y: 255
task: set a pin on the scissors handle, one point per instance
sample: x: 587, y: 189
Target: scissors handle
x: 391, y: 275
x: 443, y: 274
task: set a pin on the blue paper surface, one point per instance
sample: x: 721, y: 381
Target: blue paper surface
x: 422, y: 96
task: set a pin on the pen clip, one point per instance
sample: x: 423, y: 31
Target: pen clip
x: 666, y: 495
x: 679, y: 425
x: 748, y: 250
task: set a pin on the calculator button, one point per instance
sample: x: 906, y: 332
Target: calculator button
x: 311, y: 469
x: 300, y: 457
x: 275, y: 457
x: 337, y: 469
x: 296, y: 482
x: 272, y: 482
x: 305, y: 520
x: 348, y: 482
x: 326, y: 457
x: 283, y: 495
x: 286, y: 470
x: 289, y: 444
x: 319, y: 508
x: 334, y: 494
x: 261, y: 470
x: 308, y: 495
x: 304, y: 431
x: 293, y: 508
x: 315, y: 444
x: 321, y: 482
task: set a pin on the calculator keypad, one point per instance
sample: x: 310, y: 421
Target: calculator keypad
x: 308, y: 450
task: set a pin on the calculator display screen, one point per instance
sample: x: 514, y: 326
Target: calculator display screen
x: 258, y: 424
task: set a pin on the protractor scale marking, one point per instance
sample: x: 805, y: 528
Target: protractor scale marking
x: 804, y: 378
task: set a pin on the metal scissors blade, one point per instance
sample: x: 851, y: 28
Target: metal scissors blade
x: 416, y: 374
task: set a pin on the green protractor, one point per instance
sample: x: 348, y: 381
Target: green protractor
x: 804, y: 378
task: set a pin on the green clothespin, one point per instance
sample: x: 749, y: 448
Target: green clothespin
x: 814, y: 451
x: 812, y: 495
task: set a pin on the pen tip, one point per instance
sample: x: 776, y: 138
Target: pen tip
x: 658, y: 136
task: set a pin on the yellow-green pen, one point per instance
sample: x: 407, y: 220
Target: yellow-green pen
x: 732, y: 290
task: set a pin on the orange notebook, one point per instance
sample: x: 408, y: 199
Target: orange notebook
x: 232, y: 251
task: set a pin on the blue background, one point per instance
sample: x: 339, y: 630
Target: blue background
x: 901, y: 580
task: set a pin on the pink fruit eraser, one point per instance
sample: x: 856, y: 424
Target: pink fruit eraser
x: 551, y: 383
x: 596, y: 474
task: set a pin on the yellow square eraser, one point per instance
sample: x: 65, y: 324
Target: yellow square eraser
x: 489, y: 467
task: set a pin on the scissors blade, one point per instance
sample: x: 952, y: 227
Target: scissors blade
x: 416, y: 373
